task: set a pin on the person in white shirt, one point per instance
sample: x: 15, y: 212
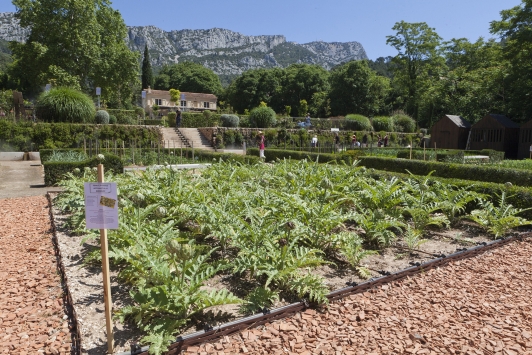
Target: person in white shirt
x: 314, y: 141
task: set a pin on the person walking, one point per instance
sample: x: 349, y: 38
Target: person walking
x: 385, y: 140
x: 337, y: 141
x: 365, y: 140
x: 178, y: 118
x: 261, y: 141
x: 353, y: 141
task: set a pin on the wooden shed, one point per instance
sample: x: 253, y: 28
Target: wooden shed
x: 525, y: 140
x: 495, y: 132
x: 450, y: 132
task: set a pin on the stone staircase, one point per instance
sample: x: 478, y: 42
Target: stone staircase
x: 186, y: 138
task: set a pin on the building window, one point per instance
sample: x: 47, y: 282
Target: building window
x: 206, y: 104
x: 158, y: 102
x: 183, y: 103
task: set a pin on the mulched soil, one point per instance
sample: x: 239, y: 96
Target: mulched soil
x: 32, y: 320
x: 474, y: 306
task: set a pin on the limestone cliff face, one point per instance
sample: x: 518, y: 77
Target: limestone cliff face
x: 228, y: 52
x: 10, y: 29
x: 224, y: 51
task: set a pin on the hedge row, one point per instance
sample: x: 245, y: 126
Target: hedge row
x: 210, y: 155
x: 417, y: 167
x: 28, y: 136
x: 55, y: 171
x: 196, y: 120
x: 450, y: 170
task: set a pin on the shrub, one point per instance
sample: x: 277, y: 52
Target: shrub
x: 124, y: 116
x: 112, y: 119
x: 262, y: 117
x: 54, y: 171
x: 102, y: 117
x: 383, y: 123
x: 65, y: 105
x: 171, y: 118
x: 229, y: 120
x: 358, y: 123
x: 404, y: 123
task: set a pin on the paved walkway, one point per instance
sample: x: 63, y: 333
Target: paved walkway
x: 476, y: 306
x: 22, y: 178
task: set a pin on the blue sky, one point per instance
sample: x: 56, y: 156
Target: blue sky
x: 365, y: 21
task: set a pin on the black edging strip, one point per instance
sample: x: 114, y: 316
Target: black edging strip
x: 68, y: 305
x: 182, y: 342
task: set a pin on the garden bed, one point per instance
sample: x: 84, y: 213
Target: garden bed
x: 248, y: 234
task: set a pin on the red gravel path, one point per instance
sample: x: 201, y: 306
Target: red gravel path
x: 31, y: 313
x: 476, y: 306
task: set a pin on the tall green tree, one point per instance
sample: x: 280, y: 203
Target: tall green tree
x: 188, y: 77
x: 300, y: 82
x: 418, y: 59
x: 515, y: 31
x: 78, y: 43
x: 355, y: 88
x: 472, y: 84
x: 147, y: 72
x: 253, y: 87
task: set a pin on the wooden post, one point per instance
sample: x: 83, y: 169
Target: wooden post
x: 424, y: 149
x: 84, y: 145
x: 106, y: 280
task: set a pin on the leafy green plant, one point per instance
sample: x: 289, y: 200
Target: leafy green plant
x: 262, y: 117
x: 383, y: 123
x: 498, y: 220
x: 65, y: 105
x: 102, y: 117
x: 413, y: 238
x: 229, y: 120
x: 352, y: 250
x: 404, y: 123
x: 358, y: 123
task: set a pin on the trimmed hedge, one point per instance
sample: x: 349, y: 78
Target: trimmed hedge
x: 55, y: 171
x: 130, y: 117
x: 210, y: 155
x: 196, y: 120
x: 449, y: 170
x: 28, y: 136
x: 274, y: 154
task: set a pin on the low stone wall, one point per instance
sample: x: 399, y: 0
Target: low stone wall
x: 11, y: 156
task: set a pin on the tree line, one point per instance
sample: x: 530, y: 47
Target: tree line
x: 80, y: 44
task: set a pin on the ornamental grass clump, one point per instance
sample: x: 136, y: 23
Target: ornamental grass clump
x: 65, y: 105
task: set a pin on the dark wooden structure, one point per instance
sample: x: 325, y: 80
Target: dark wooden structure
x: 495, y: 132
x: 450, y: 132
x: 525, y: 140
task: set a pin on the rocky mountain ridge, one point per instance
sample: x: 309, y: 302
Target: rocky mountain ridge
x: 226, y: 52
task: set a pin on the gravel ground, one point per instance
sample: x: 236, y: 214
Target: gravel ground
x: 475, y: 306
x: 32, y: 320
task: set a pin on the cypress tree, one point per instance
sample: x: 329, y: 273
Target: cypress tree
x: 147, y: 74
